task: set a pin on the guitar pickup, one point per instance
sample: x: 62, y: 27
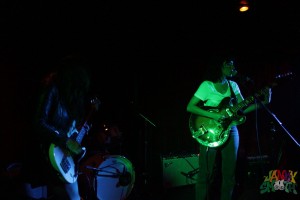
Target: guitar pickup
x: 200, y: 131
x: 65, y: 164
x: 229, y: 112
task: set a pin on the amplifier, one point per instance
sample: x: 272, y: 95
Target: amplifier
x: 179, y: 170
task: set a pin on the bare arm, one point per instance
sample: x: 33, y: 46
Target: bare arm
x: 193, y: 107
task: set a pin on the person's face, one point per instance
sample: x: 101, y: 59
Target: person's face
x: 228, y: 69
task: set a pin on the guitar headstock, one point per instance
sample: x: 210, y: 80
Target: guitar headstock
x: 288, y: 75
x: 281, y: 78
x: 95, y: 103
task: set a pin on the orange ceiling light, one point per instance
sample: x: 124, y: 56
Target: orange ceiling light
x: 244, y: 6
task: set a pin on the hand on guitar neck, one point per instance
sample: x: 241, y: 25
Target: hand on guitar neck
x: 267, y: 93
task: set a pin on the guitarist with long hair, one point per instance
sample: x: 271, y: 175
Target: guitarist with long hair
x: 215, y: 127
x: 61, y: 109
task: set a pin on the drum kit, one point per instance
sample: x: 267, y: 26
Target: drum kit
x: 105, y: 176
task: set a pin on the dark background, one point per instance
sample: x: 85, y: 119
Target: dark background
x: 146, y: 58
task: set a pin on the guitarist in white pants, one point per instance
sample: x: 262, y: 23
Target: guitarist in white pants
x: 61, y: 108
x: 210, y: 118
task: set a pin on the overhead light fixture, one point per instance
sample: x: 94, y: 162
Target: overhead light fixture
x: 244, y: 6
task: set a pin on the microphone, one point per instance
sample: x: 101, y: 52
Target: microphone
x: 124, y: 178
x: 233, y: 72
x: 242, y: 78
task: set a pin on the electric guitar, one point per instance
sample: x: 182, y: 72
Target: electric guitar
x: 61, y: 159
x: 213, y: 133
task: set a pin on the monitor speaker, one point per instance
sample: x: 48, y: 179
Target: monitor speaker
x: 179, y: 170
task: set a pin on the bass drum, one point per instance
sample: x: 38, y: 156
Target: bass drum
x: 109, y: 177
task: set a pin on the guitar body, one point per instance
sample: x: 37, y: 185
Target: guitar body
x: 210, y: 132
x: 63, y: 162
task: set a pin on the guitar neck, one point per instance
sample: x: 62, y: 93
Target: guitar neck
x: 279, y: 78
x: 84, y: 129
x: 247, y: 101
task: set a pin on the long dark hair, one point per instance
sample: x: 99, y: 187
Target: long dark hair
x: 73, y: 82
x: 72, y: 79
x: 214, y: 66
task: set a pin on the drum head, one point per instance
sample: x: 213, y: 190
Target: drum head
x: 87, y: 173
x: 115, y: 178
x: 109, y: 177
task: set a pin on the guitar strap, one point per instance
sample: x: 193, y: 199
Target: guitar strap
x: 232, y: 94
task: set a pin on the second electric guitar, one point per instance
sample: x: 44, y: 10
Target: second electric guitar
x: 212, y: 133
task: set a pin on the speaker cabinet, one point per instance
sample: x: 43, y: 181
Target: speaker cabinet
x: 179, y: 170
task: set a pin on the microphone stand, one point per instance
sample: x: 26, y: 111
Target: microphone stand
x: 272, y: 114
x: 145, y: 160
x: 95, y: 174
x: 145, y: 172
x: 279, y: 122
